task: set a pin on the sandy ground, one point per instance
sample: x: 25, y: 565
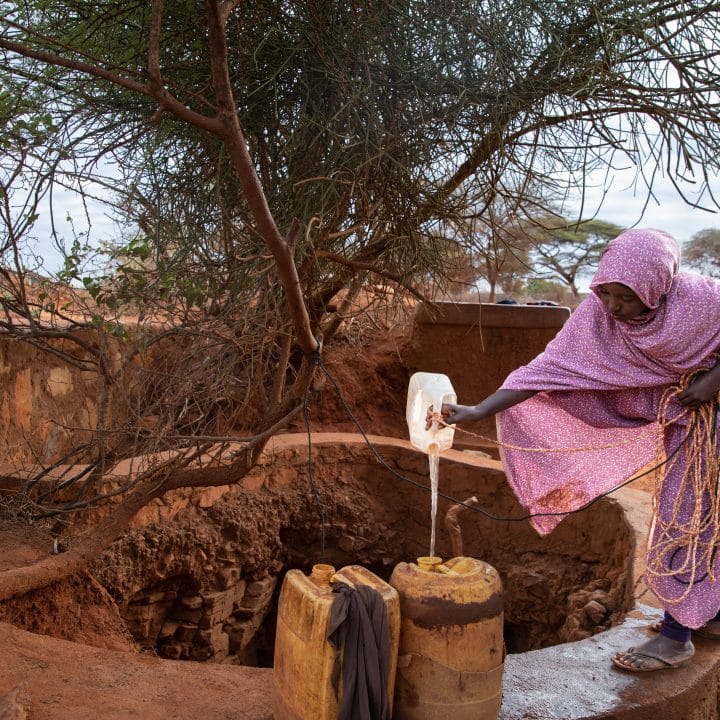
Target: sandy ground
x: 44, y: 678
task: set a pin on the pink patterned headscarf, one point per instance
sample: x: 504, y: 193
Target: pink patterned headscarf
x: 631, y: 363
x: 647, y: 261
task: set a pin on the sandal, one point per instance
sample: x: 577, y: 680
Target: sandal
x: 649, y: 662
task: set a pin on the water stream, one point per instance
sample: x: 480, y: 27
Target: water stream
x: 434, y: 461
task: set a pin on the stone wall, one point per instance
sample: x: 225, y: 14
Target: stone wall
x: 44, y: 402
x: 208, y: 625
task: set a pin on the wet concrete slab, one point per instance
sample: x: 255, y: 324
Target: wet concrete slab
x: 577, y: 681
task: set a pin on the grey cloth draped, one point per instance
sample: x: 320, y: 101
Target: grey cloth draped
x: 359, y: 627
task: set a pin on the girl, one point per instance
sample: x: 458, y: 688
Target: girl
x: 636, y: 358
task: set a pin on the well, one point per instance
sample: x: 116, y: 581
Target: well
x: 202, y: 584
x: 197, y: 575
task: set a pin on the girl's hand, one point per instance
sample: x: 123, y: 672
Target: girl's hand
x: 499, y: 400
x: 701, y: 390
x: 452, y: 414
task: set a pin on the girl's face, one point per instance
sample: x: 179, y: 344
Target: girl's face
x: 620, y: 301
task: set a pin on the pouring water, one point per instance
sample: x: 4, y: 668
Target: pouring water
x: 434, y: 461
x: 428, y: 392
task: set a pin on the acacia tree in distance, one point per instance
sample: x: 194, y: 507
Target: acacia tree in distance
x: 273, y: 154
x: 702, y: 252
x: 566, y: 250
x: 495, y: 246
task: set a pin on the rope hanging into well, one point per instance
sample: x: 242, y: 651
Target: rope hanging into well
x: 697, y: 538
x: 649, y: 430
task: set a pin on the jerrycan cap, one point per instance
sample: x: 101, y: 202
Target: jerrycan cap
x: 429, y: 563
x: 321, y: 573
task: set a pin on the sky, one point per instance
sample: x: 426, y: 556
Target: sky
x: 68, y: 203
x: 622, y: 205
x: 666, y: 211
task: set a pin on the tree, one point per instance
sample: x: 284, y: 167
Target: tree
x: 565, y: 250
x: 272, y: 154
x: 495, y: 246
x: 702, y: 252
x: 546, y: 289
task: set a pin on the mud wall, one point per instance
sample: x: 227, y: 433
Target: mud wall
x: 201, y: 580
x: 45, y: 400
x: 477, y: 346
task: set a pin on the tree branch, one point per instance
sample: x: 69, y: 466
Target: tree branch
x: 166, y: 100
x: 240, y: 156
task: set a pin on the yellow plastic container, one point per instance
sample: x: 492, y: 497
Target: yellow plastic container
x: 451, y: 655
x: 303, y: 656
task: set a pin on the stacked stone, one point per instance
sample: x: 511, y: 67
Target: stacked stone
x: 246, y: 619
x: 211, y: 626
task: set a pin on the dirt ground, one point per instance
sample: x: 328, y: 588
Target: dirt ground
x: 362, y: 383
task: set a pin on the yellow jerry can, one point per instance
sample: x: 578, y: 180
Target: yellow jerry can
x: 302, y: 671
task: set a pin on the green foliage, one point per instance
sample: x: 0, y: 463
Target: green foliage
x: 75, y: 259
x: 20, y: 127
x: 541, y: 287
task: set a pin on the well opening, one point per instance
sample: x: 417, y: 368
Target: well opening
x: 204, y: 584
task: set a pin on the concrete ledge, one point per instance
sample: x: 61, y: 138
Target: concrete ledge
x: 577, y: 681
x: 491, y: 315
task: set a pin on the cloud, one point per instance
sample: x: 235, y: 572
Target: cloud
x: 666, y: 210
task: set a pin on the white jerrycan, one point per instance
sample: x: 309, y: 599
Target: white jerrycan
x: 425, y: 391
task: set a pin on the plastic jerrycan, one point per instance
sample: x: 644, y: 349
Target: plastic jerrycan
x: 302, y: 672
x: 429, y: 390
x: 451, y: 656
